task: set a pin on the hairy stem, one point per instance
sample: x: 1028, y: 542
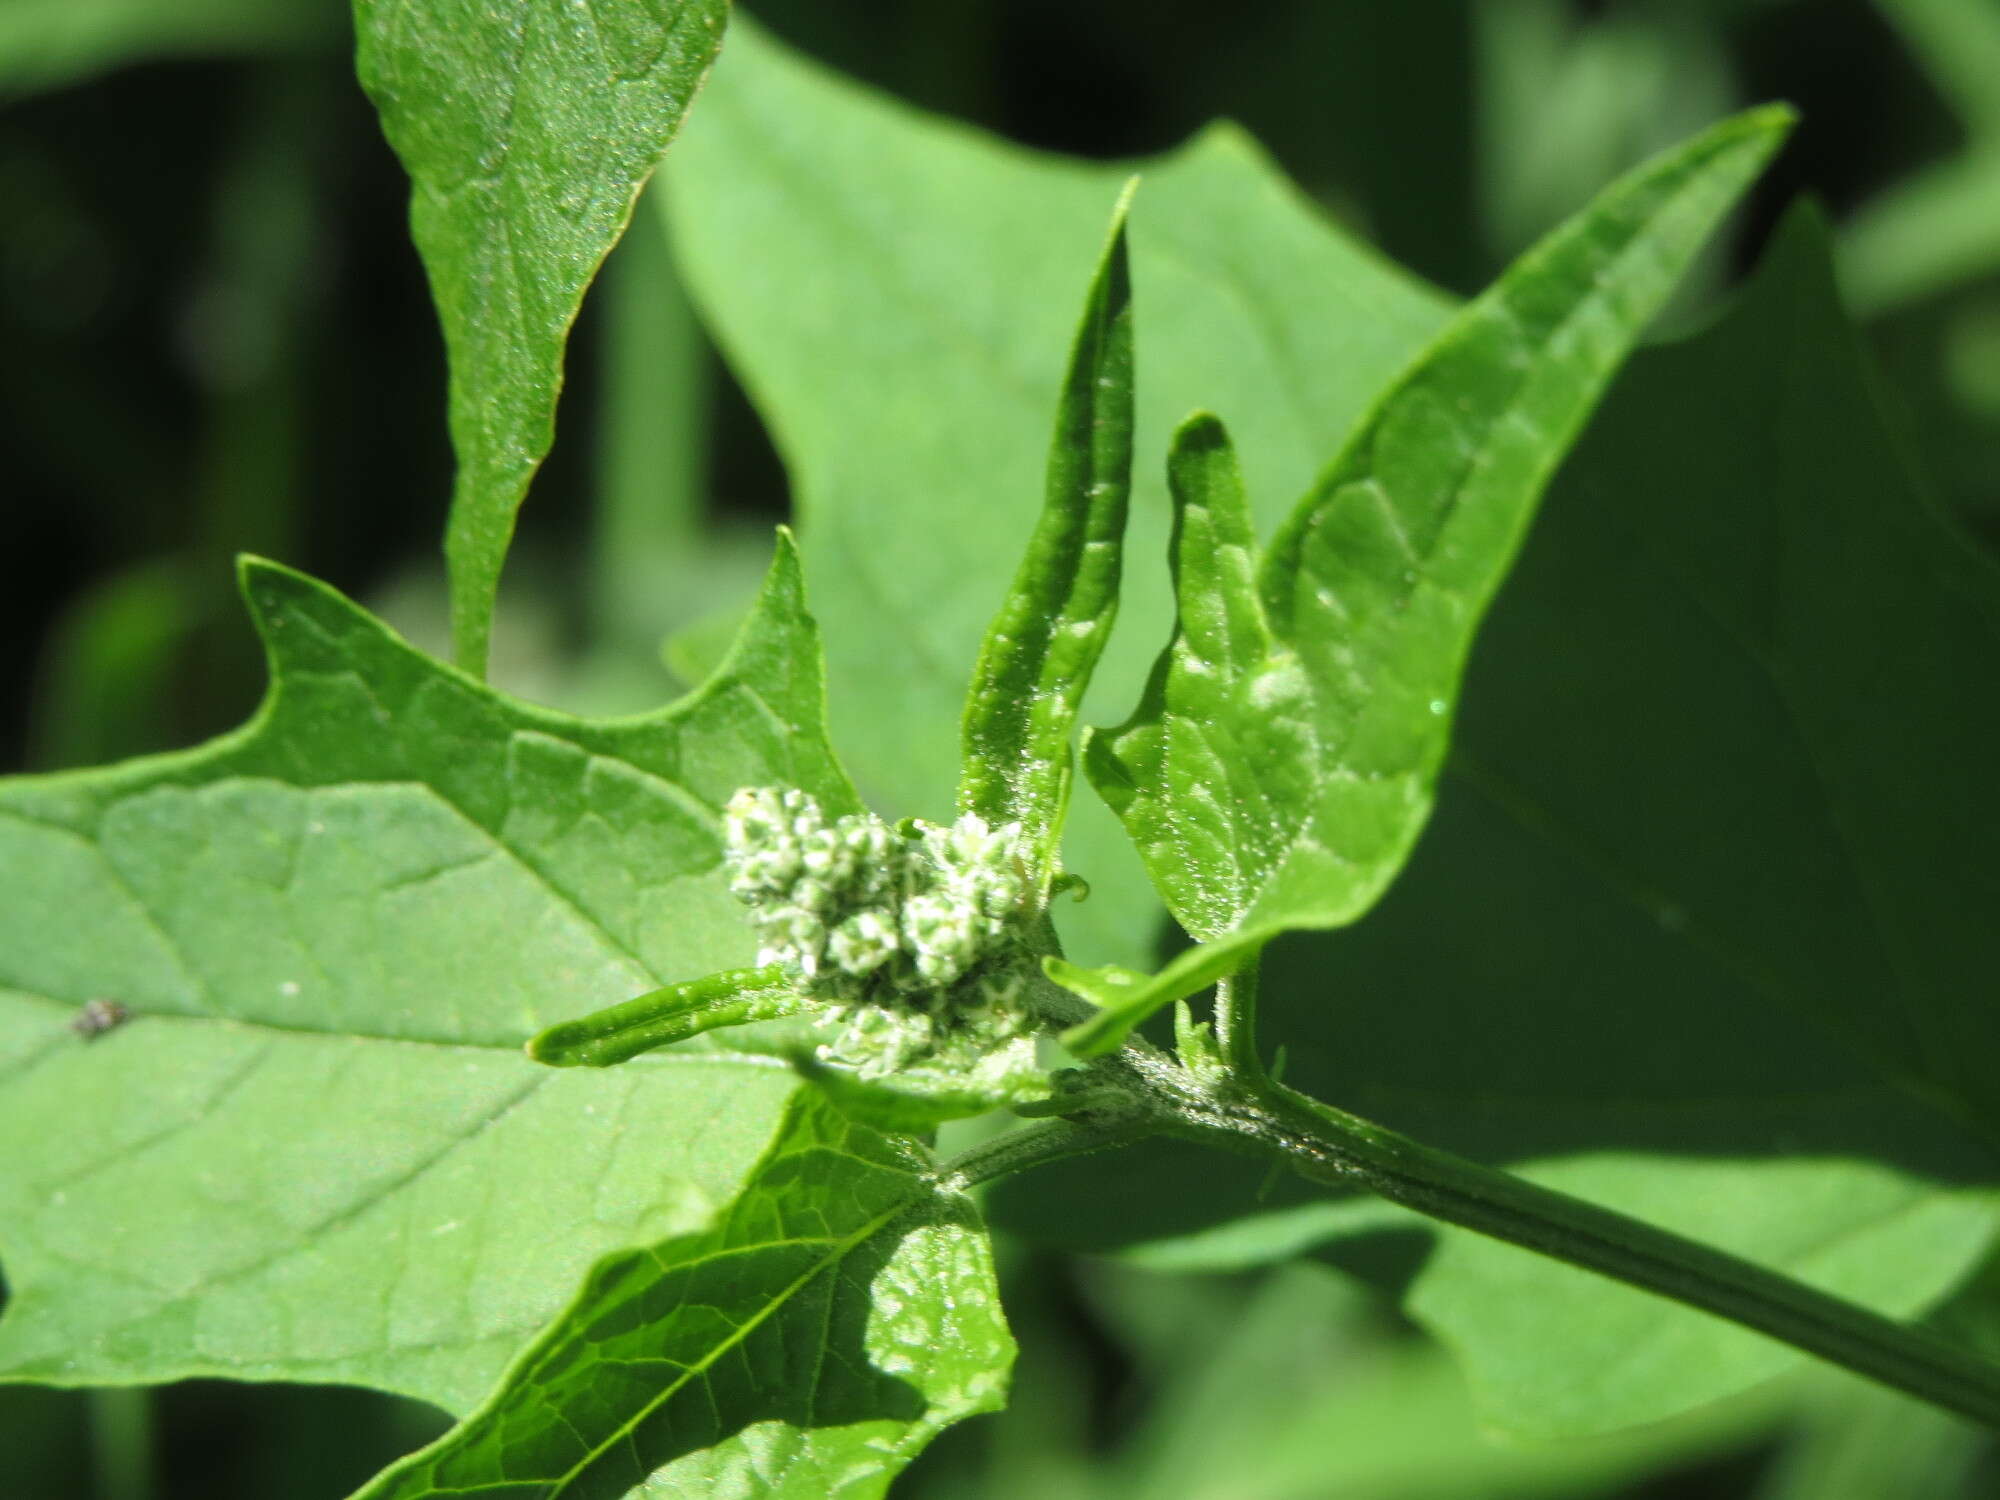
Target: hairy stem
x: 1236, y: 1020
x: 1324, y: 1144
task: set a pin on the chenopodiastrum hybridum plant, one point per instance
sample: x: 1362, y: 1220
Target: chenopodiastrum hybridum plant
x: 810, y: 1297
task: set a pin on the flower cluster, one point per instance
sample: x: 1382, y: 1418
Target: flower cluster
x: 912, y: 932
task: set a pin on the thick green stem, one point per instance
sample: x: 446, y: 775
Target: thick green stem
x: 1236, y: 1020
x: 1327, y: 1145
x: 652, y: 465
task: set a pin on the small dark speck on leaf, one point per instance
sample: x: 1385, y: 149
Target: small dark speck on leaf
x: 98, y: 1017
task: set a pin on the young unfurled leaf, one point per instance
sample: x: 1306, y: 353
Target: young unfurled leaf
x: 47, y: 44
x: 838, y: 1314
x: 333, y: 930
x: 527, y: 128
x: 1282, y: 761
x: 1039, y: 652
x: 662, y: 1017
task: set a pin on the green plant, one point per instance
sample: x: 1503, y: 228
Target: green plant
x: 315, y: 1151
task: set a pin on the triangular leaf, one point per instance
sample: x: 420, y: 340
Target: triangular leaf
x: 527, y: 128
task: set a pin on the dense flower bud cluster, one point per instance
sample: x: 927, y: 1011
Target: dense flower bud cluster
x: 913, y: 936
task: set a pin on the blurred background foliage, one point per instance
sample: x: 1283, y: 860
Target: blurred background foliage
x: 217, y: 339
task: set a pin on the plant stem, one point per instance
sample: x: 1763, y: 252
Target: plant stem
x: 1236, y: 1020
x: 1035, y: 1146
x: 1324, y: 1144
x: 121, y: 1442
x: 652, y: 463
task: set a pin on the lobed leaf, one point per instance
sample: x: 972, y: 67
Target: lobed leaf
x: 1281, y: 783
x: 315, y: 1151
x: 1040, y: 650
x: 835, y: 1317
x: 528, y: 128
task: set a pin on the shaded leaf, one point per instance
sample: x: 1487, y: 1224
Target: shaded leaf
x: 836, y: 1316
x: 1367, y: 1416
x: 527, y: 128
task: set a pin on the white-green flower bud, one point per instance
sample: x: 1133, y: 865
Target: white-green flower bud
x: 914, y: 939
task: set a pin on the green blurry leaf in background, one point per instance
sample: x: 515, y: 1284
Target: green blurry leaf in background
x: 156, y: 657
x: 1939, y: 227
x: 662, y: 566
x: 833, y: 1318
x: 892, y: 290
x: 1365, y: 1414
x: 528, y: 130
x: 316, y: 1151
x: 1569, y: 99
x: 46, y: 44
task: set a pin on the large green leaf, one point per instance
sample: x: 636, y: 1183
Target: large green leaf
x: 316, y: 1151
x: 1700, y: 929
x: 807, y: 1344
x: 1284, y: 757
x: 527, y: 128
x: 897, y: 293
x: 1750, y: 584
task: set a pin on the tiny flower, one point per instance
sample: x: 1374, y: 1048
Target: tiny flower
x: 863, y: 943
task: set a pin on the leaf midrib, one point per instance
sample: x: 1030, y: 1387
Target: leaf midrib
x: 838, y: 1250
